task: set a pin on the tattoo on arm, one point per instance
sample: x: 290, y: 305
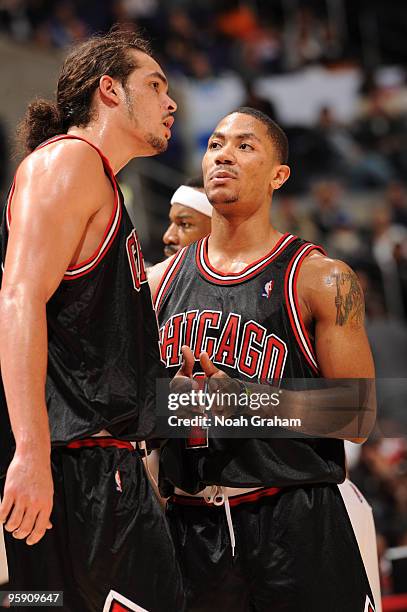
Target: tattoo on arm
x: 349, y: 300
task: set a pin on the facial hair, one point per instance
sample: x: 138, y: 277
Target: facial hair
x: 230, y: 200
x: 158, y: 144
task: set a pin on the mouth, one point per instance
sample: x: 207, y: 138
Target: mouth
x: 168, y: 122
x: 220, y: 176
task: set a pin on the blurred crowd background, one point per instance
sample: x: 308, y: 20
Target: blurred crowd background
x: 333, y: 74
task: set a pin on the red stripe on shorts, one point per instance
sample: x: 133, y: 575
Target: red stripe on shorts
x: 100, y: 441
x: 235, y: 500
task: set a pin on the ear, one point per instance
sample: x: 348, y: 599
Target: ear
x: 279, y: 176
x: 109, y: 90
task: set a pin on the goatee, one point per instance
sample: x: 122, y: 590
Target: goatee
x: 230, y: 200
x: 159, y: 144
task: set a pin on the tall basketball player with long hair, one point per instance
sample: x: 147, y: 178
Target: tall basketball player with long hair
x: 78, y: 511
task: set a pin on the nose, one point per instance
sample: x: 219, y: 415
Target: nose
x: 171, y: 105
x: 225, y: 155
x: 171, y: 235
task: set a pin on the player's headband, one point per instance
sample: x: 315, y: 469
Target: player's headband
x: 188, y: 196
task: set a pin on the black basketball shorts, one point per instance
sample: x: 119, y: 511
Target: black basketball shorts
x: 295, y: 552
x: 110, y: 548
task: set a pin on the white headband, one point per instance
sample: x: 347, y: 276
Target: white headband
x: 192, y: 198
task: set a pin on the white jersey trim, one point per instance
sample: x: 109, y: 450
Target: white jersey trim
x: 166, y: 279
x: 296, y: 315
x: 248, y: 271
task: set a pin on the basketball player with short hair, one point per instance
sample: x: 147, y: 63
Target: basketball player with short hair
x: 190, y: 216
x: 78, y: 511
x: 257, y: 305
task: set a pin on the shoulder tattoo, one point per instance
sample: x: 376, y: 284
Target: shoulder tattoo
x: 349, y: 300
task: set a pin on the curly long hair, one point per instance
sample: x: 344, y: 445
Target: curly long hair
x: 78, y: 80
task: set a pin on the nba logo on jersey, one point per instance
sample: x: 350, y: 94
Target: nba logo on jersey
x: 118, y: 482
x: 268, y: 288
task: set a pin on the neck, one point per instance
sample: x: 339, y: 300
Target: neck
x: 110, y: 142
x: 242, y: 236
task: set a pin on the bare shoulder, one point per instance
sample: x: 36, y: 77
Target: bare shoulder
x: 155, y: 273
x: 63, y: 165
x: 331, y: 288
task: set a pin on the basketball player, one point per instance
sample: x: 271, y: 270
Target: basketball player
x: 190, y: 216
x: 254, y: 304
x: 78, y: 512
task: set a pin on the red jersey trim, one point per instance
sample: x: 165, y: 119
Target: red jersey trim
x: 89, y: 264
x: 101, y: 442
x: 292, y: 303
x: 235, y: 500
x: 232, y: 278
x: 167, y: 279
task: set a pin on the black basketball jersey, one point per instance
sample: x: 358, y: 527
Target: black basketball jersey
x: 250, y: 324
x: 103, y: 352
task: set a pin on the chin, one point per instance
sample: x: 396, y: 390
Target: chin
x: 157, y: 144
x: 222, y: 197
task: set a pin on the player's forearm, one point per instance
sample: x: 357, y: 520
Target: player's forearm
x: 23, y: 361
x: 345, y: 410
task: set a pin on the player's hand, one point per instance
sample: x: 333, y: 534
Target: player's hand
x: 28, y: 496
x: 219, y: 381
x: 183, y: 382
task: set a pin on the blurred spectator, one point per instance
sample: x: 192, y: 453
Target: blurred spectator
x: 206, y: 99
x: 309, y: 43
x: 262, y: 52
x: 396, y: 200
x: 288, y: 218
x: 390, y: 251
x: 345, y: 156
x: 371, y: 281
x: 382, y: 473
x: 14, y: 18
x: 382, y: 133
x: 311, y: 39
x: 237, y: 20
x: 327, y: 210
x: 140, y: 9
x: 344, y: 241
x: 65, y: 26
x: 256, y: 101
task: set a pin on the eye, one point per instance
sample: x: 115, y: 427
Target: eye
x: 213, y: 145
x: 155, y: 85
x: 185, y: 225
x: 245, y: 146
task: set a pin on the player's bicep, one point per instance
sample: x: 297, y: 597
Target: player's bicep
x: 341, y: 343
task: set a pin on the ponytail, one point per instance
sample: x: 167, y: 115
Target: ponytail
x: 41, y: 122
